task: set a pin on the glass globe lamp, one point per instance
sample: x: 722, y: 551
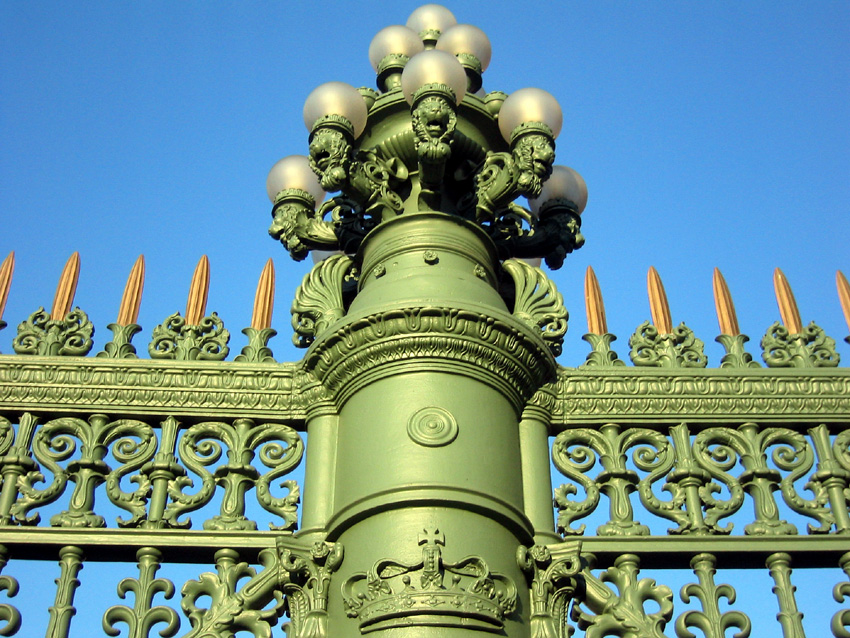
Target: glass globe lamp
x: 334, y: 100
x: 433, y: 67
x: 564, y: 184
x: 467, y: 40
x: 528, y: 106
x: 429, y: 21
x: 390, y: 50
x: 294, y: 172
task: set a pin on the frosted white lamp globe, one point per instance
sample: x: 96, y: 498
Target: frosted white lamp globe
x: 294, y: 172
x: 465, y: 38
x: 530, y: 105
x: 564, y: 183
x: 336, y: 98
x: 433, y: 67
x: 431, y: 17
x: 394, y: 40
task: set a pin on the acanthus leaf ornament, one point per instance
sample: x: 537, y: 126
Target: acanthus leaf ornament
x: 39, y: 334
x: 811, y: 348
x: 232, y: 608
x: 554, y: 581
x: 121, y: 346
x: 537, y: 303
x: 318, y: 301
x: 677, y: 349
x: 306, y: 578
x: 176, y: 339
x: 624, y: 614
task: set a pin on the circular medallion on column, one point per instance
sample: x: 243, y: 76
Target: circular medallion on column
x: 432, y: 427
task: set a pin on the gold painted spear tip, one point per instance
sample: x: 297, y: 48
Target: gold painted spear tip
x: 7, y: 269
x: 196, y: 304
x: 67, y: 287
x: 843, y: 295
x: 727, y: 318
x: 131, y: 300
x: 264, y: 298
x: 788, y: 311
x: 594, y: 305
x: 659, y: 309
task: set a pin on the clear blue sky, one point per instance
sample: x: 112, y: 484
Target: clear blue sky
x: 709, y: 134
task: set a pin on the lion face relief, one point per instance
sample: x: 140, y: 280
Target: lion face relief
x: 534, y: 155
x: 329, y: 158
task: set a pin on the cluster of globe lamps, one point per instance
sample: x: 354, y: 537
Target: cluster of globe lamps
x: 432, y: 48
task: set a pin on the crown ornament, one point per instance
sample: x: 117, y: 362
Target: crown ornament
x: 396, y: 594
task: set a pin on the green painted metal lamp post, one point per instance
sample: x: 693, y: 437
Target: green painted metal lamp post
x: 427, y: 333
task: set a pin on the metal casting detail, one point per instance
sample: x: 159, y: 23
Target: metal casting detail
x: 810, y: 348
x: 432, y: 427
x: 306, y: 578
x: 710, y: 621
x: 233, y: 608
x: 143, y: 615
x: 9, y: 615
x: 601, y: 612
x: 394, y: 594
x: 554, y: 582
x: 121, y: 347
x: 537, y: 303
x: 736, y: 356
x: 39, y: 334
x: 318, y: 300
x: 678, y: 349
x: 496, y: 351
x: 177, y: 339
x: 602, y: 356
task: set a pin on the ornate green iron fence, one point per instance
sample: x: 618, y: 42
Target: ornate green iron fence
x: 433, y: 407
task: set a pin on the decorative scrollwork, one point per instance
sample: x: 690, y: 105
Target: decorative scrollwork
x: 710, y: 620
x: 280, y: 448
x: 387, y: 597
x: 39, y: 334
x: 176, y: 339
x: 717, y: 450
x: 537, y: 303
x: 679, y: 349
x: 132, y: 443
x: 143, y: 616
x: 505, y: 176
x: 318, y: 301
x: 808, y: 349
x: 8, y: 613
x: 574, y: 453
x: 841, y: 592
